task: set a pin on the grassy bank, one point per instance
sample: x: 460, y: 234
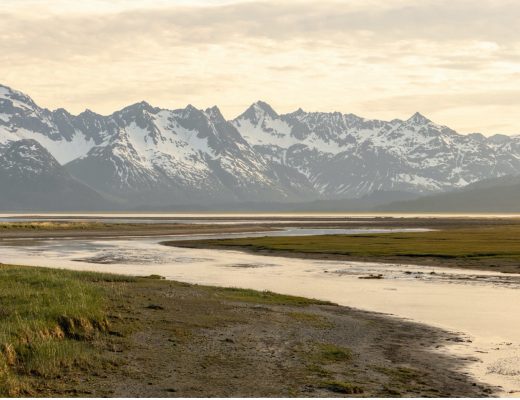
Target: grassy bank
x: 47, y: 319
x: 65, y: 333
x: 488, y: 247
x: 56, y: 226
x: 85, y: 229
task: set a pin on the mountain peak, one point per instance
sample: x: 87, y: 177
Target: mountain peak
x: 190, y: 107
x: 265, y: 107
x: 6, y: 90
x: 190, y: 111
x: 257, y: 111
x: 418, y: 118
x: 89, y: 113
x: 140, y: 106
x: 14, y: 95
x: 214, y: 114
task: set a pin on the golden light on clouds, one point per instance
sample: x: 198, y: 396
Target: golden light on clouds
x: 458, y: 62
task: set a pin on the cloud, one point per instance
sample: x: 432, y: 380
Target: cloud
x: 488, y: 21
x: 362, y: 56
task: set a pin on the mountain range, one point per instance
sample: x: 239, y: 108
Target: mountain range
x: 498, y: 195
x: 145, y: 157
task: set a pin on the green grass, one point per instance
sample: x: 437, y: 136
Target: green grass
x: 486, y: 244
x: 46, y: 320
x: 55, y: 226
x: 401, y: 379
x: 314, y: 320
x: 50, y: 320
x: 342, y: 387
x: 332, y: 353
x: 265, y: 297
x: 324, y: 356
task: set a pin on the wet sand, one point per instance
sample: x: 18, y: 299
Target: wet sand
x: 170, y: 339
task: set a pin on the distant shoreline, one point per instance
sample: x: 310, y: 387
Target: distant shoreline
x: 91, y: 227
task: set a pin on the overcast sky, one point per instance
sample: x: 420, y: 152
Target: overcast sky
x: 456, y: 61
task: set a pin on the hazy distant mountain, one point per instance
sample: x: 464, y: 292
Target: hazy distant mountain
x: 143, y: 155
x: 490, y: 195
x: 364, y: 203
x: 30, y: 179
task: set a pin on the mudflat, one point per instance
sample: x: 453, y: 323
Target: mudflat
x: 486, y: 245
x: 151, y: 337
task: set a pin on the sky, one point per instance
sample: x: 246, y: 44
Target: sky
x: 456, y: 61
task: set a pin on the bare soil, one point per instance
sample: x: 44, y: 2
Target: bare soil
x: 169, y: 339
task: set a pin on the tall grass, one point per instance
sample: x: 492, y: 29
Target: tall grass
x: 47, y: 318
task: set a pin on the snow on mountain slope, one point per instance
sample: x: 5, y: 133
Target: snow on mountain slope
x: 177, y: 155
x: 345, y: 155
x: 21, y: 118
x: 148, y: 155
x: 144, y: 155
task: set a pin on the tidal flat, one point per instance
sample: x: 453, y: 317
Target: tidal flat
x: 476, y: 306
x: 492, y: 247
x: 69, y: 333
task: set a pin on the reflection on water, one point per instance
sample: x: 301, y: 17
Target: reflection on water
x: 484, y: 306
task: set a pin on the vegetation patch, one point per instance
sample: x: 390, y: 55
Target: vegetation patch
x: 155, y: 276
x: 55, y: 225
x: 264, y: 297
x: 401, y: 374
x: 65, y: 333
x: 313, y: 320
x: 327, y: 353
x: 488, y: 247
x: 401, y: 379
x: 47, y: 320
x: 341, y: 387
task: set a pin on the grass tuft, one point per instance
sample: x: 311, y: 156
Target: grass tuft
x: 53, y: 226
x: 47, y: 318
x: 265, y: 297
x: 313, y: 320
x: 342, y: 387
x: 330, y: 353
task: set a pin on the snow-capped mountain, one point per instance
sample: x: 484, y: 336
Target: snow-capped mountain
x: 143, y: 155
x: 147, y: 155
x: 344, y: 155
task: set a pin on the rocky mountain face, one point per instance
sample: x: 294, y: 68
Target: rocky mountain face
x: 343, y: 155
x: 32, y: 179
x: 143, y: 155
